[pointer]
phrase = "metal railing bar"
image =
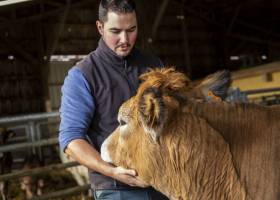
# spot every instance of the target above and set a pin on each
(26, 118)
(36, 171)
(12, 147)
(63, 193)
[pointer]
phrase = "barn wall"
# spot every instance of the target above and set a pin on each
(20, 88)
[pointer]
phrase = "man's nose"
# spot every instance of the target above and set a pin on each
(123, 37)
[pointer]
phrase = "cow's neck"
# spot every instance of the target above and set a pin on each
(243, 127)
(214, 177)
(200, 165)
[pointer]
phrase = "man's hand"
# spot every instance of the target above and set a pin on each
(128, 176)
(91, 159)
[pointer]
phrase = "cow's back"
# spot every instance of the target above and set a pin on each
(257, 159)
(253, 134)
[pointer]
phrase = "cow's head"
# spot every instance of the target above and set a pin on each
(146, 117)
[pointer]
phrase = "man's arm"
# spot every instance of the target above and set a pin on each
(92, 159)
(76, 112)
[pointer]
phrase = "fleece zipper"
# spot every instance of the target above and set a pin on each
(130, 82)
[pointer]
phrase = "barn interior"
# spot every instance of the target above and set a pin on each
(42, 39)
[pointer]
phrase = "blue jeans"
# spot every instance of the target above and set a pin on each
(141, 194)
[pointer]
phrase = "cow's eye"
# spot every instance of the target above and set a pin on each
(122, 122)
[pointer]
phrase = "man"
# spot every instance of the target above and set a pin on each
(92, 94)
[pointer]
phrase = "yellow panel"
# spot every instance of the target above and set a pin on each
(257, 82)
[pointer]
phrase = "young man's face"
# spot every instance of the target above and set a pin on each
(119, 32)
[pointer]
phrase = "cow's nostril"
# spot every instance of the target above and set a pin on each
(122, 122)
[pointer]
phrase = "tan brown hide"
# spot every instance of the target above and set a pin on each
(193, 150)
(253, 134)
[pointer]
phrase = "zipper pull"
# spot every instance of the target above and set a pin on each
(125, 65)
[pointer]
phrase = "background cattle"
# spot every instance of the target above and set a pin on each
(32, 185)
(190, 149)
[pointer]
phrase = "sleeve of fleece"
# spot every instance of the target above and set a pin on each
(77, 108)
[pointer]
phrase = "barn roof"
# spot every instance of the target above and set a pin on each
(198, 36)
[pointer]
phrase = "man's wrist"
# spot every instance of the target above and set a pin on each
(109, 170)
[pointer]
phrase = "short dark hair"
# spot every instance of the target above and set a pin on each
(120, 6)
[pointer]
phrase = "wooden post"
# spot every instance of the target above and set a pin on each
(45, 58)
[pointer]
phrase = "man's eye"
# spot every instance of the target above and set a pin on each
(131, 30)
(122, 122)
(115, 32)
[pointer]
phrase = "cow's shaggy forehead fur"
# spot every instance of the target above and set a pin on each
(193, 150)
(164, 78)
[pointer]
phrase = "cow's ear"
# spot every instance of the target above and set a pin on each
(214, 87)
(153, 112)
(217, 84)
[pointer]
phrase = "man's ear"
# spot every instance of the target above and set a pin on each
(153, 112)
(100, 27)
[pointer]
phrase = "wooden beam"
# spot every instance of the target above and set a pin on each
(255, 40)
(42, 15)
(17, 48)
(205, 16)
(159, 18)
(51, 48)
(247, 38)
(233, 19)
(239, 46)
(54, 3)
(12, 2)
(31, 18)
(258, 29)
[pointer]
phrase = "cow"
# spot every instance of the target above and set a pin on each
(191, 149)
(32, 185)
(6, 160)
